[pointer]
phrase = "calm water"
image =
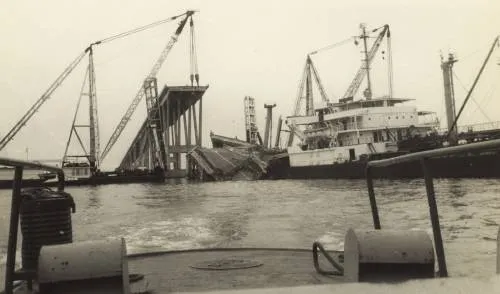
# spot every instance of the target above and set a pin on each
(287, 213)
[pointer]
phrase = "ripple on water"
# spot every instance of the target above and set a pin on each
(186, 233)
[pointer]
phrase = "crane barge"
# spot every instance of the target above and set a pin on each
(83, 168)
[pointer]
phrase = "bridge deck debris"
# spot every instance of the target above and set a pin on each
(231, 159)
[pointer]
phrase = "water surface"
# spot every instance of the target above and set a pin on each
(284, 213)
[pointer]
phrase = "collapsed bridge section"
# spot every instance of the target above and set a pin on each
(233, 159)
(225, 163)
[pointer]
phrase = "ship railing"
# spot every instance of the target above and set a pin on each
(423, 157)
(19, 166)
(480, 127)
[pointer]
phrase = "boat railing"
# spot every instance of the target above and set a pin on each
(480, 127)
(20, 165)
(423, 157)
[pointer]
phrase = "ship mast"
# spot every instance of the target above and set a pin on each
(449, 97)
(368, 92)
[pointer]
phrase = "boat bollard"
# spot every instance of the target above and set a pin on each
(84, 267)
(387, 256)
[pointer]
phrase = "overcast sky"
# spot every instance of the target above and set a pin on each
(255, 48)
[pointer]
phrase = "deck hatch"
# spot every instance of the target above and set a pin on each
(226, 264)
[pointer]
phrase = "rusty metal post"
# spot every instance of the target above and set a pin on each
(436, 229)
(373, 201)
(13, 230)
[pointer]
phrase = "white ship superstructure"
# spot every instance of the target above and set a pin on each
(349, 130)
(353, 128)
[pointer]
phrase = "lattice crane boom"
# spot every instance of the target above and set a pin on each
(140, 94)
(363, 70)
(26, 117)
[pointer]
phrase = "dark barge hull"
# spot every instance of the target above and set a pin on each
(92, 181)
(471, 165)
(7, 184)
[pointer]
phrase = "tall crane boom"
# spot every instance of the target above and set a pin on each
(140, 94)
(363, 70)
(22, 122)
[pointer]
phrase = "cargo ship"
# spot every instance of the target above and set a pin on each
(337, 140)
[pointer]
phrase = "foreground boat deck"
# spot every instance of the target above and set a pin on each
(179, 271)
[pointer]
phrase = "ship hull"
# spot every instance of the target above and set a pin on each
(482, 165)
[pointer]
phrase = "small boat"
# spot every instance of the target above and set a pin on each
(378, 260)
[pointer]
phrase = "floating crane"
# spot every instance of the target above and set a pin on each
(93, 154)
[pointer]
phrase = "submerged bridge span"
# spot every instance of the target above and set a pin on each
(179, 115)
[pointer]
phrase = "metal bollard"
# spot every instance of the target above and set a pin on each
(387, 256)
(84, 267)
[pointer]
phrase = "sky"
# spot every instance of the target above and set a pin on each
(245, 48)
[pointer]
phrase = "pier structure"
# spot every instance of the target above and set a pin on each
(173, 127)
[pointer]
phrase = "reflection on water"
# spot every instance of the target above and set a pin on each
(94, 199)
(284, 213)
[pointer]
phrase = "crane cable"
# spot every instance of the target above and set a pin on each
(193, 56)
(332, 45)
(472, 97)
(495, 43)
(137, 30)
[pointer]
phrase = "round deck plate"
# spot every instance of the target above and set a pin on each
(226, 264)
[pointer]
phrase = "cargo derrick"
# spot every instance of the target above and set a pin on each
(310, 72)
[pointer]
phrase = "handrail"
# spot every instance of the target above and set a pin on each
(423, 157)
(491, 144)
(340, 269)
(21, 163)
(429, 186)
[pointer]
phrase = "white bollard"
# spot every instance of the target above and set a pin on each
(383, 255)
(84, 267)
